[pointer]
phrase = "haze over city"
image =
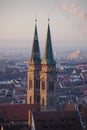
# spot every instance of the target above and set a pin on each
(43, 88)
(68, 22)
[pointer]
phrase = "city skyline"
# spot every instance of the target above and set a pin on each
(68, 22)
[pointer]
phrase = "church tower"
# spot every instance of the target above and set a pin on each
(33, 83)
(48, 76)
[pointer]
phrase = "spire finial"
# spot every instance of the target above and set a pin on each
(35, 21)
(48, 18)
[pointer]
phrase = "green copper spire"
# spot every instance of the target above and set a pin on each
(35, 56)
(48, 54)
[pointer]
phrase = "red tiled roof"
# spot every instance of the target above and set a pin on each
(62, 120)
(83, 111)
(70, 107)
(17, 112)
(18, 127)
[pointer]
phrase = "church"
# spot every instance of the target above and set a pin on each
(39, 113)
(42, 74)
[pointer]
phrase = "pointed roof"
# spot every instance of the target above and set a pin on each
(48, 54)
(35, 55)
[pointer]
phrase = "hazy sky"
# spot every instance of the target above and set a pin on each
(68, 22)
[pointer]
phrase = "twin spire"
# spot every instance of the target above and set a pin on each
(48, 53)
(35, 56)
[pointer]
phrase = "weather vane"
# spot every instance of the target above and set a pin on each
(48, 18)
(35, 18)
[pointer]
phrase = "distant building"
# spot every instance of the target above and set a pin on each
(74, 54)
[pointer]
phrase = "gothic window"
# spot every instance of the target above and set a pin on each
(51, 85)
(30, 84)
(30, 99)
(37, 83)
(43, 103)
(43, 85)
(38, 99)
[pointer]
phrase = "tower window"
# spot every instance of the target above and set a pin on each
(30, 84)
(43, 85)
(37, 83)
(51, 85)
(43, 103)
(38, 99)
(30, 99)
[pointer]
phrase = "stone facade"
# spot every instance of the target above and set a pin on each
(33, 82)
(33, 91)
(48, 78)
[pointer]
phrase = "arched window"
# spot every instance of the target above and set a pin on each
(43, 103)
(30, 84)
(30, 99)
(51, 86)
(38, 99)
(43, 85)
(37, 83)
